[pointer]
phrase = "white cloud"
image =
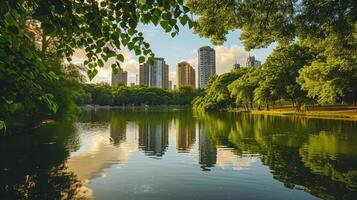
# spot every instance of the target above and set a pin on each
(227, 56)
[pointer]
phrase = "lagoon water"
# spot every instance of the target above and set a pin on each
(112, 154)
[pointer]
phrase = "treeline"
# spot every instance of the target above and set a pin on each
(294, 74)
(103, 94)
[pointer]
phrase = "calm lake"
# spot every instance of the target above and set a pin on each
(112, 154)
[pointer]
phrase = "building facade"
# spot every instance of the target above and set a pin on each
(252, 62)
(155, 74)
(185, 74)
(206, 65)
(120, 77)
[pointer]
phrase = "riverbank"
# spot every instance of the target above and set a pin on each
(331, 112)
(138, 108)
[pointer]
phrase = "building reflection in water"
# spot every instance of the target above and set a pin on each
(153, 138)
(185, 136)
(117, 131)
(207, 151)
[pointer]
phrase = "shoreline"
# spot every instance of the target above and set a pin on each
(330, 112)
(157, 107)
(325, 112)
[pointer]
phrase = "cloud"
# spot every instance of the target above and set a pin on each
(227, 56)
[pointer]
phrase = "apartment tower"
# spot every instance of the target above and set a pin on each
(206, 65)
(120, 77)
(185, 75)
(155, 74)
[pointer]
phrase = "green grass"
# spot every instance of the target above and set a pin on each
(335, 111)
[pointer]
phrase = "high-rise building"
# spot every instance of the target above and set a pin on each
(252, 62)
(120, 77)
(206, 65)
(155, 74)
(186, 75)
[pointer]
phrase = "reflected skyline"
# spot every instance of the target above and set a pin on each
(185, 136)
(314, 157)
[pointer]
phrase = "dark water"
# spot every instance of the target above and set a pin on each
(179, 155)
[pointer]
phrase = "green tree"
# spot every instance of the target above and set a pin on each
(279, 72)
(329, 27)
(242, 89)
(216, 95)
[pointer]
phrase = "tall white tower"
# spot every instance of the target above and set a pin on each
(206, 65)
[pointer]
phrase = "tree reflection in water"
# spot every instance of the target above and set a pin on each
(296, 150)
(32, 165)
(59, 160)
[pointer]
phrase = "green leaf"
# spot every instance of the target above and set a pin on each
(13, 29)
(141, 59)
(120, 57)
(48, 29)
(100, 63)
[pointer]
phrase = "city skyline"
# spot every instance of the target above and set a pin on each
(186, 44)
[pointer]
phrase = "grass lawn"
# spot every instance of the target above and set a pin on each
(346, 112)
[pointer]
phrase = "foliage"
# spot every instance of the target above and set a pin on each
(99, 27)
(35, 86)
(327, 28)
(242, 89)
(278, 75)
(216, 94)
(121, 95)
(264, 22)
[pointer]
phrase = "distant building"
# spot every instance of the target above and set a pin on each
(206, 65)
(120, 77)
(185, 74)
(236, 66)
(252, 62)
(155, 75)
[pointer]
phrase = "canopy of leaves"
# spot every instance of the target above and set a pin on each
(327, 27)
(267, 21)
(98, 27)
(216, 95)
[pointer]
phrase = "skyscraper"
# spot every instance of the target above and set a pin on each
(186, 75)
(155, 74)
(206, 65)
(120, 77)
(252, 62)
